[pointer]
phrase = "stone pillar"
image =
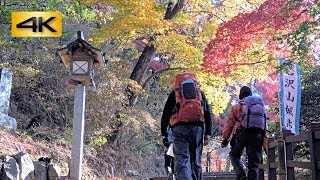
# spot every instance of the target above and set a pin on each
(5, 91)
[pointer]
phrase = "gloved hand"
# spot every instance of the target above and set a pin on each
(165, 141)
(224, 143)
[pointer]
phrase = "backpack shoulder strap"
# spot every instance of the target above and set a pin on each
(241, 105)
(248, 114)
(265, 125)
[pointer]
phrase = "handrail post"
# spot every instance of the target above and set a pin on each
(289, 154)
(282, 161)
(315, 149)
(261, 171)
(272, 172)
(266, 168)
(208, 161)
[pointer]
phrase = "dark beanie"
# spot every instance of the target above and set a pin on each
(245, 91)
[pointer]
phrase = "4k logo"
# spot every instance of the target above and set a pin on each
(36, 24)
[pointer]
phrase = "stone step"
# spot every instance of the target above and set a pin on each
(208, 176)
(218, 175)
(159, 178)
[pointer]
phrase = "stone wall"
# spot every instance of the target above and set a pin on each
(22, 167)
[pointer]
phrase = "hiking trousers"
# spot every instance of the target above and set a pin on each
(187, 150)
(252, 141)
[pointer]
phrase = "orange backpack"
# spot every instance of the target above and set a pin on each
(189, 103)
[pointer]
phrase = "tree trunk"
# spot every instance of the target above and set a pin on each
(143, 62)
(150, 49)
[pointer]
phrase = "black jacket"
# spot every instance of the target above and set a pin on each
(168, 112)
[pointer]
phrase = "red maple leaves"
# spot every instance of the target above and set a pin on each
(233, 38)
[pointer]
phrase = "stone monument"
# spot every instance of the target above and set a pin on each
(5, 90)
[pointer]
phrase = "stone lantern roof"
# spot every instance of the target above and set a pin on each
(65, 53)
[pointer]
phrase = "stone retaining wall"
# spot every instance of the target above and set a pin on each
(22, 167)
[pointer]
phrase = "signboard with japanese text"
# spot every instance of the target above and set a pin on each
(290, 98)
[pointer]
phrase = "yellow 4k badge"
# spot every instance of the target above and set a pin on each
(36, 24)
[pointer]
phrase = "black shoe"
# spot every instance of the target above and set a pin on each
(171, 176)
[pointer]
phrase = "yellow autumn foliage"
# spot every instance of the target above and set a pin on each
(185, 36)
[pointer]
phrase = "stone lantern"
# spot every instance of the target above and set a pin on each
(80, 56)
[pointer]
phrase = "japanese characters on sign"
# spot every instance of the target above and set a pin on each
(290, 94)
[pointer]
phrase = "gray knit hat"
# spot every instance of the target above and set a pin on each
(245, 91)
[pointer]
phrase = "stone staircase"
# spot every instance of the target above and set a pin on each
(208, 176)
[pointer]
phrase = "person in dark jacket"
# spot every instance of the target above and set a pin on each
(188, 140)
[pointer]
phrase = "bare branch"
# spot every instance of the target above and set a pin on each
(159, 72)
(206, 12)
(13, 4)
(248, 64)
(256, 7)
(17, 4)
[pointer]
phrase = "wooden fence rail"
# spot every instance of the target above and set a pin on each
(280, 158)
